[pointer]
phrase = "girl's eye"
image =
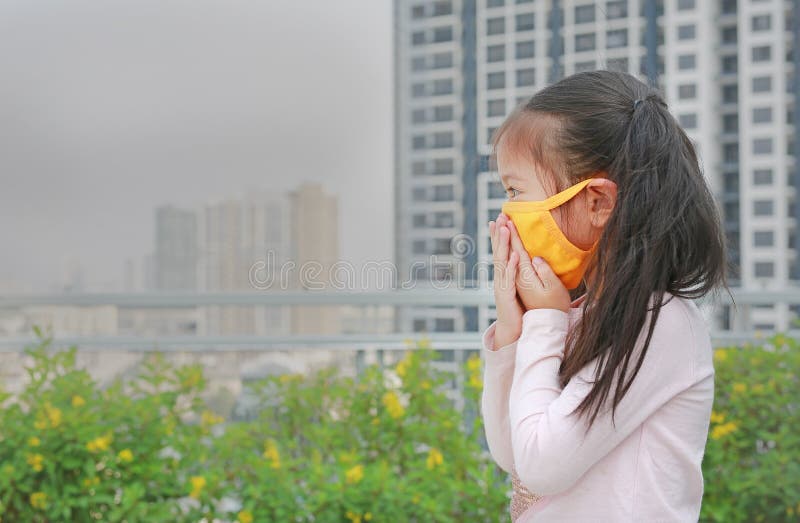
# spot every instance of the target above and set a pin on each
(511, 192)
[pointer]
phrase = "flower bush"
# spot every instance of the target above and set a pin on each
(751, 465)
(387, 445)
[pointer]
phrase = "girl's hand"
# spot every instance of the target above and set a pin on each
(509, 308)
(537, 285)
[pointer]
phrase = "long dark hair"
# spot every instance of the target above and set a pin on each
(664, 234)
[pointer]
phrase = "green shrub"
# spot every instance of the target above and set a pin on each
(751, 465)
(384, 446)
(326, 448)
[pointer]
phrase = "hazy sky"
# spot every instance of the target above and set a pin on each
(110, 108)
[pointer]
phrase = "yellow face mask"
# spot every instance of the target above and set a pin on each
(542, 237)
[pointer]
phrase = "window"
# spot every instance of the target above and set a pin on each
(443, 166)
(445, 325)
(687, 91)
(495, 3)
(496, 108)
(443, 219)
(443, 113)
(420, 325)
(617, 9)
(617, 64)
(729, 35)
(525, 49)
(616, 38)
(443, 193)
(686, 32)
(730, 123)
(442, 8)
(442, 140)
(762, 84)
(443, 86)
(762, 114)
(584, 14)
(418, 142)
(688, 120)
(730, 152)
(418, 63)
(417, 90)
(762, 177)
(418, 38)
(418, 247)
(686, 61)
(763, 239)
(418, 220)
(731, 181)
(685, 4)
(584, 66)
(730, 64)
(496, 53)
(761, 23)
(525, 22)
(764, 269)
(443, 34)
(418, 11)
(495, 26)
(584, 42)
(442, 60)
(761, 53)
(763, 208)
(526, 77)
(419, 194)
(762, 146)
(418, 168)
(418, 116)
(730, 93)
(496, 80)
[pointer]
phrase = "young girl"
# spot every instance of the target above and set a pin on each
(599, 407)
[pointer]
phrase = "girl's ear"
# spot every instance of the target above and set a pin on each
(602, 197)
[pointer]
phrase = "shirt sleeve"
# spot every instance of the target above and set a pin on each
(497, 375)
(548, 445)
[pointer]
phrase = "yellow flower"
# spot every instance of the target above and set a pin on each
(38, 500)
(434, 458)
(53, 415)
(33, 441)
(271, 453)
(208, 419)
(721, 355)
(353, 517)
(758, 387)
(88, 482)
(198, 482)
(35, 461)
(717, 417)
(425, 385)
(392, 404)
(244, 516)
(347, 457)
(415, 499)
(100, 443)
(367, 516)
(739, 387)
(125, 455)
(192, 378)
(474, 363)
(720, 431)
(475, 381)
(402, 366)
(355, 474)
(77, 401)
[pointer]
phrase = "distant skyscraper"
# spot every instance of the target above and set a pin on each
(463, 65)
(176, 249)
(315, 245)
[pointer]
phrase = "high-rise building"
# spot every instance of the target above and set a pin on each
(726, 70)
(314, 230)
(175, 249)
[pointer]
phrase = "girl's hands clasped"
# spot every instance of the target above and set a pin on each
(519, 283)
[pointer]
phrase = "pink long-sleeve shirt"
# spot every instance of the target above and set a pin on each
(648, 467)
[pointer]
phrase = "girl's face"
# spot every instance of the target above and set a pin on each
(590, 208)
